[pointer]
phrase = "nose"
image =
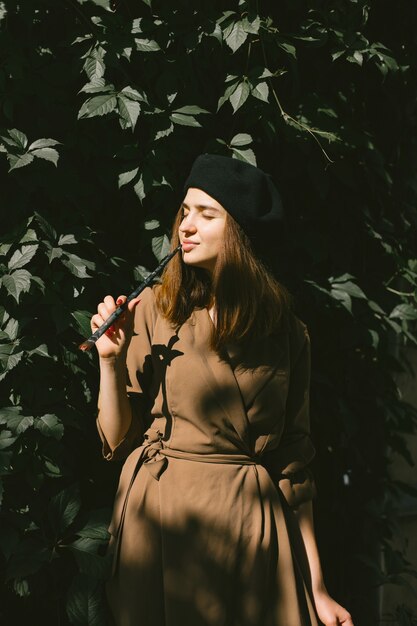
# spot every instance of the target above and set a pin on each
(187, 225)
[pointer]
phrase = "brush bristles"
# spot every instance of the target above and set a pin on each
(86, 345)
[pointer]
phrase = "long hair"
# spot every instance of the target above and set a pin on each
(250, 303)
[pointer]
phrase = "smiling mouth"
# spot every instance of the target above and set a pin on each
(188, 245)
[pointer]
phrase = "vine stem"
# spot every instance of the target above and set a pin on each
(285, 116)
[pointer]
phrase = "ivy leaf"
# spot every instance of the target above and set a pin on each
(66, 240)
(97, 525)
(146, 45)
(184, 120)
(237, 36)
(349, 288)
(20, 140)
(261, 91)
(342, 296)
(21, 257)
(82, 319)
(16, 160)
(404, 312)
(49, 154)
(242, 139)
(43, 143)
(6, 439)
(126, 177)
(239, 96)
(99, 105)
(85, 603)
(85, 551)
(94, 65)
(160, 246)
(19, 423)
(76, 265)
(128, 111)
(16, 283)
(134, 94)
(63, 509)
(50, 426)
(245, 155)
(191, 109)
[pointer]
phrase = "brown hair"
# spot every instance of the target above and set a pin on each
(250, 302)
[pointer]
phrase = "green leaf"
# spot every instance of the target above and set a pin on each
(237, 36)
(85, 551)
(48, 154)
(21, 257)
(50, 426)
(82, 319)
(404, 312)
(160, 246)
(191, 109)
(19, 138)
(128, 111)
(343, 297)
(184, 120)
(289, 49)
(146, 45)
(94, 66)
(63, 509)
(134, 94)
(97, 525)
(21, 160)
(85, 602)
(6, 439)
(349, 288)
(19, 423)
(261, 91)
(245, 155)
(242, 139)
(151, 224)
(76, 265)
(239, 96)
(66, 240)
(43, 143)
(126, 177)
(99, 105)
(16, 283)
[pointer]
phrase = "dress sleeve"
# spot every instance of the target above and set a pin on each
(289, 462)
(139, 377)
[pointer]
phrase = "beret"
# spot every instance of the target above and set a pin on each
(244, 190)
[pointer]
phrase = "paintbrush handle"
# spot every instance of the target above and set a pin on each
(90, 342)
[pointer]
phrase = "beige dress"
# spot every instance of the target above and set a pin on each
(203, 528)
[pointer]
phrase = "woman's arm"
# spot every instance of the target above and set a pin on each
(329, 611)
(114, 410)
(304, 514)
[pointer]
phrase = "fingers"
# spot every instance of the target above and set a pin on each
(133, 303)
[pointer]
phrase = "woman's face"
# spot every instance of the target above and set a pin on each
(201, 231)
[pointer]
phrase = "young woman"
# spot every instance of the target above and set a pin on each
(204, 392)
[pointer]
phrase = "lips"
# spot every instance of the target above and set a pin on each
(187, 246)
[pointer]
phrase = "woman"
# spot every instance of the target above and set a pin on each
(204, 390)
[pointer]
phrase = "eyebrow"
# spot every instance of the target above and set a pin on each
(201, 206)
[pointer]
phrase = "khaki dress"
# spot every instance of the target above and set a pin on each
(203, 529)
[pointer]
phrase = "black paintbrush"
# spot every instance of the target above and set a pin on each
(90, 342)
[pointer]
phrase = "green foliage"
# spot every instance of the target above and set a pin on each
(318, 94)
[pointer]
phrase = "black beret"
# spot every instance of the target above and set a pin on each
(245, 191)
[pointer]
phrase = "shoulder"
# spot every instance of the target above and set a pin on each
(146, 311)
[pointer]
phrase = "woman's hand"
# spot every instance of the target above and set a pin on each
(330, 612)
(115, 341)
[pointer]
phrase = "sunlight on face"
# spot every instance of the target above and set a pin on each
(201, 231)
